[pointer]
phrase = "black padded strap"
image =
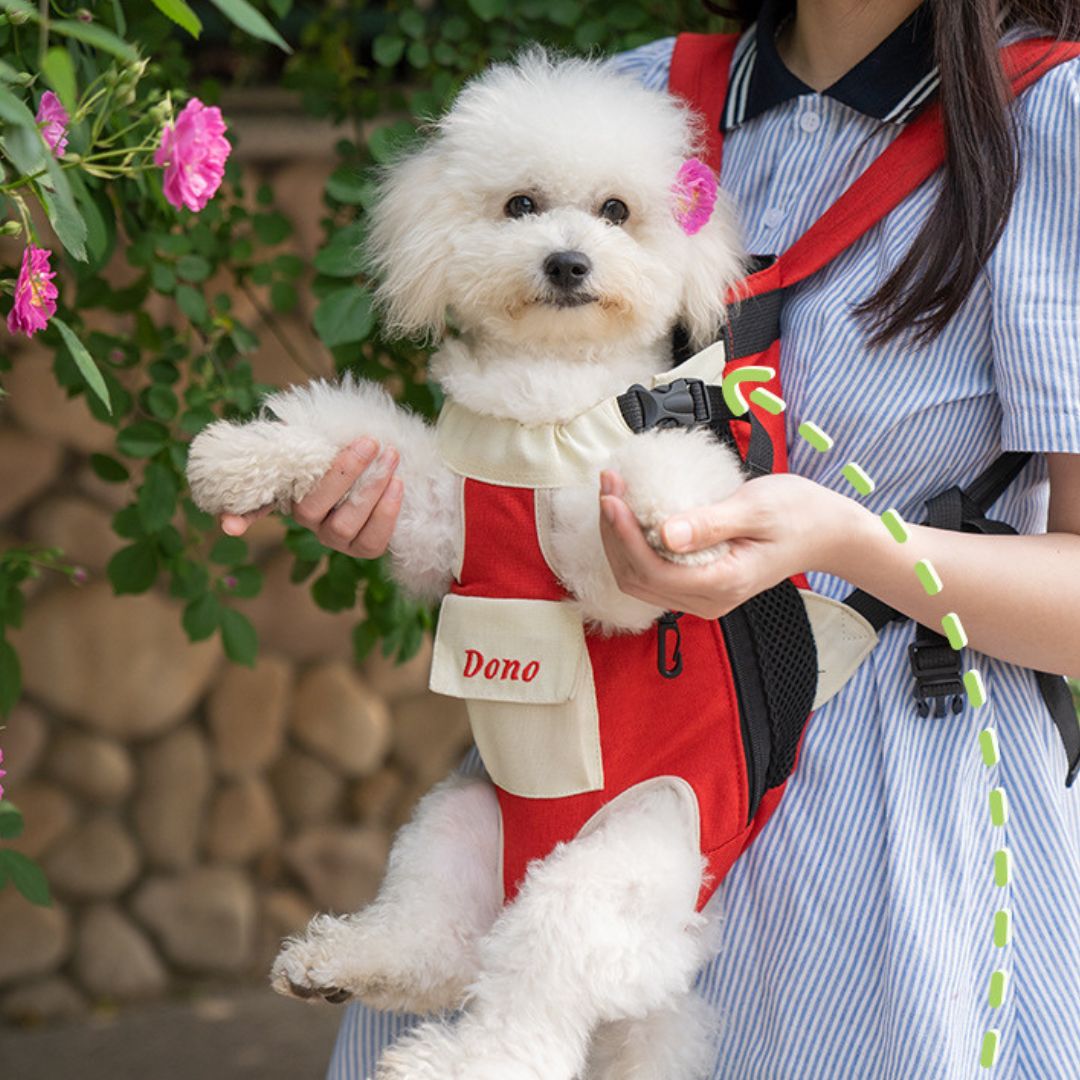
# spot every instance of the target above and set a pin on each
(1055, 692)
(953, 509)
(753, 324)
(759, 453)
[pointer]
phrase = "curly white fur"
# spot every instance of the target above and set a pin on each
(603, 939)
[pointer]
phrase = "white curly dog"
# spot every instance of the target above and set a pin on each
(533, 236)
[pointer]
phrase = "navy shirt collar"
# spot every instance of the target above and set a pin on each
(890, 84)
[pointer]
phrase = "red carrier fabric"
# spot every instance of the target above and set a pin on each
(649, 726)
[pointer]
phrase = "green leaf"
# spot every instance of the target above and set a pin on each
(272, 228)
(163, 277)
(283, 296)
(344, 316)
(192, 303)
(348, 185)
(229, 551)
(239, 637)
(343, 256)
(193, 268)
(157, 496)
(251, 21)
(96, 35)
(100, 218)
(84, 362)
(180, 14)
(59, 72)
(419, 55)
(190, 579)
(202, 616)
(364, 637)
(488, 9)
(386, 142)
(161, 402)
(108, 469)
(133, 569)
(26, 876)
(290, 266)
(11, 821)
(412, 22)
(248, 582)
(142, 439)
(10, 677)
(387, 49)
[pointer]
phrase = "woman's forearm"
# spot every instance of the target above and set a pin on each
(1018, 597)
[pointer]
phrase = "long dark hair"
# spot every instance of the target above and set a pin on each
(981, 166)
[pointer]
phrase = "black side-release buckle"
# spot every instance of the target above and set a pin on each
(936, 668)
(681, 403)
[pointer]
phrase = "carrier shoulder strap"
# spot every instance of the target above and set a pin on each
(701, 68)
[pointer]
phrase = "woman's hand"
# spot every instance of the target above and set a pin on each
(362, 528)
(775, 526)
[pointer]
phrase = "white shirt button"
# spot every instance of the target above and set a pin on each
(772, 217)
(810, 121)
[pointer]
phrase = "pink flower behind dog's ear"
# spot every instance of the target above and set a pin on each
(35, 293)
(55, 118)
(193, 154)
(694, 193)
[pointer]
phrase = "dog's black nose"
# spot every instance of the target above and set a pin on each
(567, 269)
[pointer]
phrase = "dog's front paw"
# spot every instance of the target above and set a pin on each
(669, 472)
(237, 468)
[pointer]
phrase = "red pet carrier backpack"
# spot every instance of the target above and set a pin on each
(568, 720)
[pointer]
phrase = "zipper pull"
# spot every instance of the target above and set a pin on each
(668, 625)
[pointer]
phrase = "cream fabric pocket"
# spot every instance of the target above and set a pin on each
(523, 669)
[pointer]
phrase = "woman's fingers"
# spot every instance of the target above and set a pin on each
(374, 538)
(329, 491)
(238, 524)
(710, 525)
(341, 528)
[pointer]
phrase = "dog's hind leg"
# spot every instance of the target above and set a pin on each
(668, 1044)
(414, 948)
(603, 929)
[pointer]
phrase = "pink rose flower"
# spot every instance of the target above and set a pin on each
(695, 192)
(55, 118)
(193, 154)
(2, 772)
(35, 294)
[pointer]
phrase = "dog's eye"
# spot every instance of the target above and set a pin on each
(520, 205)
(615, 211)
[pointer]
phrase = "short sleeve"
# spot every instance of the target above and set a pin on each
(1035, 274)
(649, 64)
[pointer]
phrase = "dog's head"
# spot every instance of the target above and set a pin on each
(543, 209)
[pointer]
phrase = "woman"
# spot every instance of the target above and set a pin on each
(857, 931)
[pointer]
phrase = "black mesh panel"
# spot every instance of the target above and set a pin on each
(785, 649)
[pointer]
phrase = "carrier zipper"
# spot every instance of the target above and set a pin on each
(668, 625)
(750, 695)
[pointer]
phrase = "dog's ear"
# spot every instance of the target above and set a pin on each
(714, 263)
(408, 244)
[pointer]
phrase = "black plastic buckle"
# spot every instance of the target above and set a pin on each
(936, 680)
(681, 403)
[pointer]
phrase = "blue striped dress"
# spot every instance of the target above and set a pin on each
(857, 931)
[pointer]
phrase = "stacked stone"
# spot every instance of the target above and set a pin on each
(188, 813)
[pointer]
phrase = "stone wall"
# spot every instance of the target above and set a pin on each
(188, 812)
